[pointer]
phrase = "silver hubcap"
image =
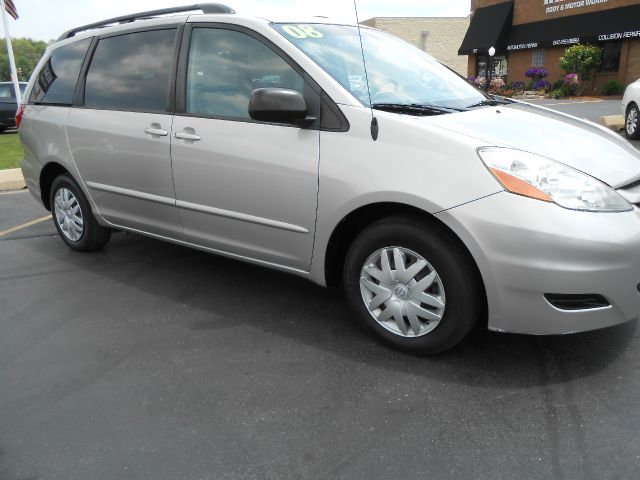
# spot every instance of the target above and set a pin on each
(402, 291)
(68, 214)
(632, 121)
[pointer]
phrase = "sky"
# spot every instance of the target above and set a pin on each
(47, 19)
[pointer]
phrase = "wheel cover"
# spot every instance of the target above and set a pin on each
(402, 291)
(68, 214)
(632, 121)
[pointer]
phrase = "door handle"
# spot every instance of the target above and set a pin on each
(156, 131)
(187, 136)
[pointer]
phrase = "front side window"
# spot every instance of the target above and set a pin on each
(225, 66)
(132, 72)
(56, 81)
(397, 72)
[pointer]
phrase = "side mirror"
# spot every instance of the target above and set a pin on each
(277, 105)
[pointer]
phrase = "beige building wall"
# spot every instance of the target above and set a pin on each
(444, 36)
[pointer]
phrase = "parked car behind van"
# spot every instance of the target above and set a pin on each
(8, 104)
(435, 206)
(631, 110)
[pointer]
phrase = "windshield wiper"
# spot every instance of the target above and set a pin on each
(490, 102)
(415, 108)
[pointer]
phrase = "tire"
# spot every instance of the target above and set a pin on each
(436, 268)
(3, 129)
(632, 122)
(73, 218)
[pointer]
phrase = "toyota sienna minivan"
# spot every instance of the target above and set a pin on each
(435, 206)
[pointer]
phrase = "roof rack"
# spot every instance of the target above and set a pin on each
(203, 7)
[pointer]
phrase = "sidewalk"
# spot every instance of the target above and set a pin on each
(11, 179)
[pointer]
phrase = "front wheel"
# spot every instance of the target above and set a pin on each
(631, 129)
(413, 285)
(73, 218)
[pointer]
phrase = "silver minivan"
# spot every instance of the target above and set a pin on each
(342, 155)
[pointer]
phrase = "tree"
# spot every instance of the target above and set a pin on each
(27, 53)
(581, 59)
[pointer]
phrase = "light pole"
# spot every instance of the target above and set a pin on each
(492, 52)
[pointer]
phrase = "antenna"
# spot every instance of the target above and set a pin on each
(374, 120)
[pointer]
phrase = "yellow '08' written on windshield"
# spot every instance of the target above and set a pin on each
(302, 31)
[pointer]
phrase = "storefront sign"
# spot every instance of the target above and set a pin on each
(522, 46)
(566, 41)
(619, 36)
(555, 6)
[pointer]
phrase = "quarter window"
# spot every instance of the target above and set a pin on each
(225, 66)
(132, 72)
(56, 82)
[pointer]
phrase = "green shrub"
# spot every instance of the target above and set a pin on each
(614, 87)
(581, 59)
(558, 84)
(557, 93)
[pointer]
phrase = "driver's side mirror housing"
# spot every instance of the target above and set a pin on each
(278, 105)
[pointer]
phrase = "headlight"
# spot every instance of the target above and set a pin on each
(538, 177)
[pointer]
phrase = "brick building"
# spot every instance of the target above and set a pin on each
(439, 36)
(534, 33)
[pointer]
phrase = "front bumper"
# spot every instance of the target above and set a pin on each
(526, 248)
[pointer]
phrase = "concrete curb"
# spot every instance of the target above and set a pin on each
(11, 179)
(614, 122)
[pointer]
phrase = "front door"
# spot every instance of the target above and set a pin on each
(243, 187)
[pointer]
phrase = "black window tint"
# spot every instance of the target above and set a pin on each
(225, 66)
(132, 72)
(56, 82)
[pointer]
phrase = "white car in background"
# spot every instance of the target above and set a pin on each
(631, 109)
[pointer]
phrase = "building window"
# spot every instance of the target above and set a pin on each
(500, 66)
(538, 58)
(611, 57)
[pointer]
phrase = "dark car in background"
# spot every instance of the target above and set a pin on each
(8, 105)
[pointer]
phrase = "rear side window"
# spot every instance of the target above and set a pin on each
(132, 72)
(56, 82)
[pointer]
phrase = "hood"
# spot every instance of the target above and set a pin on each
(580, 144)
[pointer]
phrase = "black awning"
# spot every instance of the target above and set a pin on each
(604, 26)
(489, 28)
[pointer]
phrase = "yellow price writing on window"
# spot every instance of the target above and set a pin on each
(302, 31)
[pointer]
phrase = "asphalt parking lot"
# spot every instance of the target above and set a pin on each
(152, 361)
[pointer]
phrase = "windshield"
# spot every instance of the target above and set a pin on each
(398, 72)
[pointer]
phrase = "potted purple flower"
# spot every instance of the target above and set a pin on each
(536, 74)
(518, 85)
(541, 86)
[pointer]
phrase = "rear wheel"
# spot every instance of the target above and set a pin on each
(73, 218)
(412, 285)
(631, 122)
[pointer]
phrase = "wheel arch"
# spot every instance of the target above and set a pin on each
(348, 228)
(632, 103)
(47, 175)
(354, 222)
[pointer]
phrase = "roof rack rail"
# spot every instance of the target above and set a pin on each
(203, 7)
